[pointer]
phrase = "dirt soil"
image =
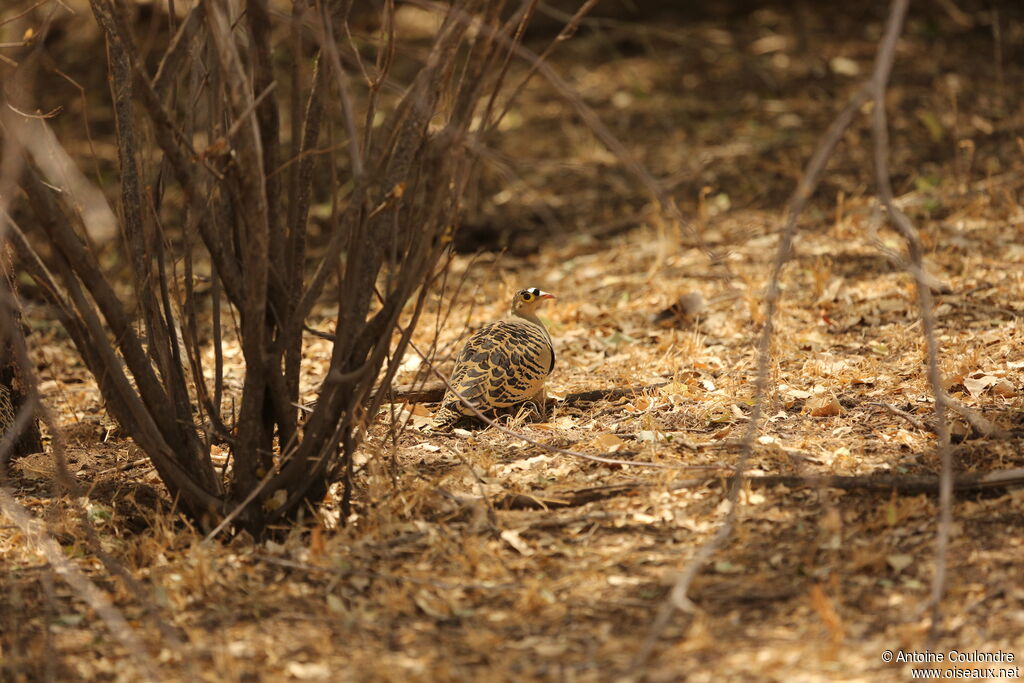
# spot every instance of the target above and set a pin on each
(477, 556)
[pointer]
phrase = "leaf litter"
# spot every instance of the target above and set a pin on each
(432, 579)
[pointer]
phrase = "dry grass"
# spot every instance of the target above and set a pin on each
(431, 580)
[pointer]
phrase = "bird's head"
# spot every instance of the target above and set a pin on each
(528, 300)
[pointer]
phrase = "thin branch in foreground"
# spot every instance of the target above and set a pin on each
(880, 138)
(813, 172)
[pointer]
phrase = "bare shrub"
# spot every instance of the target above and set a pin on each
(248, 119)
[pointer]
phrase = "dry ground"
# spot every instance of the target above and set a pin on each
(445, 572)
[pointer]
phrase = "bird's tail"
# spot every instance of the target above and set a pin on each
(445, 418)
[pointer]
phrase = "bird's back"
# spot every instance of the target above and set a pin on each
(502, 364)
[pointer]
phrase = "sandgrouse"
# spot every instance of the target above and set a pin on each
(502, 364)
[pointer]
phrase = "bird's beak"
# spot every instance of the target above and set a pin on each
(545, 295)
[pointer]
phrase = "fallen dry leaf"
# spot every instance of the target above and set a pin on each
(899, 562)
(824, 404)
(605, 442)
(977, 383)
(512, 537)
(1004, 388)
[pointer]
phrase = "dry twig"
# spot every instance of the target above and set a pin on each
(919, 424)
(809, 181)
(880, 137)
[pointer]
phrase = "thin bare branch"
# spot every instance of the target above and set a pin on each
(329, 46)
(811, 177)
(880, 137)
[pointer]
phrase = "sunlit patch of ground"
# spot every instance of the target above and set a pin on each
(433, 579)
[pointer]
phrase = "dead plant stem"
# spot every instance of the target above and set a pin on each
(880, 138)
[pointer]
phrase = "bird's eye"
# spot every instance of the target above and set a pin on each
(527, 296)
